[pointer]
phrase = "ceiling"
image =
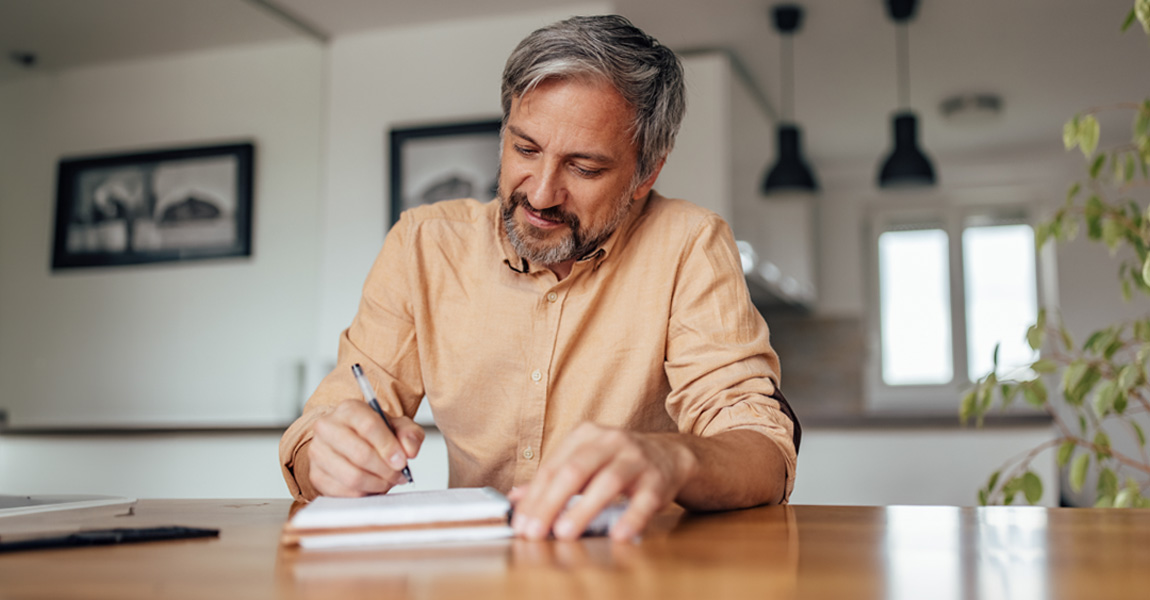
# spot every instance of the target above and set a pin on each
(1045, 58)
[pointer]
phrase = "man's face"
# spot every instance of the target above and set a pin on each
(567, 169)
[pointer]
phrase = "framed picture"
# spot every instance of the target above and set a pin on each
(443, 162)
(145, 207)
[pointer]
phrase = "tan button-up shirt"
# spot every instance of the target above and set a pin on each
(653, 332)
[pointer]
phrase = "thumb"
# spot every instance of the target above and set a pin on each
(409, 434)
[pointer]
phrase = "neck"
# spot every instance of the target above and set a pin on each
(563, 269)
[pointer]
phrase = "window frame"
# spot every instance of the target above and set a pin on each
(953, 219)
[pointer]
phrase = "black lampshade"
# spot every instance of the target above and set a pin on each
(790, 172)
(907, 165)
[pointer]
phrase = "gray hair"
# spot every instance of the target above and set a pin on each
(646, 73)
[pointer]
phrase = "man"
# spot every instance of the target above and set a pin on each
(579, 335)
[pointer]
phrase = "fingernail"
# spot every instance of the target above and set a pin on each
(536, 530)
(564, 529)
(622, 532)
(397, 460)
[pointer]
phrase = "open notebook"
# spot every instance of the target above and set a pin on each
(457, 515)
(401, 518)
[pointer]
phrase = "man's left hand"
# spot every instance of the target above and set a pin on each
(602, 464)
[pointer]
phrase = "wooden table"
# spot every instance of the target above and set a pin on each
(775, 552)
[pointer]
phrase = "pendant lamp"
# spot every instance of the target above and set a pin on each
(790, 172)
(907, 165)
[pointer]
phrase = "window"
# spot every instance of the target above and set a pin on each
(950, 286)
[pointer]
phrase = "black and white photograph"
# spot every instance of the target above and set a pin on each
(443, 162)
(144, 207)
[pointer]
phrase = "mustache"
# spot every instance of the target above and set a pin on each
(553, 213)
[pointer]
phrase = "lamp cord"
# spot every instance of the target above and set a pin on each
(788, 80)
(903, 65)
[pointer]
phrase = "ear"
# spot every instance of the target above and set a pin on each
(649, 182)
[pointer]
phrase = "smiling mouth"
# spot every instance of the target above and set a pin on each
(537, 219)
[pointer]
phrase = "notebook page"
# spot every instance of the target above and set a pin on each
(403, 508)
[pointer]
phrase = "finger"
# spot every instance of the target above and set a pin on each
(546, 501)
(525, 507)
(328, 484)
(602, 490)
(516, 494)
(350, 478)
(643, 505)
(340, 439)
(364, 421)
(410, 435)
(568, 450)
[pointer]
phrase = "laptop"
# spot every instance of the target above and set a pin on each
(64, 505)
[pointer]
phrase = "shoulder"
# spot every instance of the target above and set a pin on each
(450, 228)
(677, 219)
(465, 210)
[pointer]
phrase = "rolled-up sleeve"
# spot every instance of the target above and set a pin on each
(723, 373)
(382, 340)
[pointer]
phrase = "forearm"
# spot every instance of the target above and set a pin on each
(733, 469)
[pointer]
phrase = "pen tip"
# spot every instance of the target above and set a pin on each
(357, 369)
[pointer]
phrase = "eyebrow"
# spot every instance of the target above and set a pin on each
(599, 158)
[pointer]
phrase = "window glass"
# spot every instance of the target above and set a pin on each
(914, 300)
(1001, 299)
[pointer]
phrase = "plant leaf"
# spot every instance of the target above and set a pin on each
(1044, 365)
(1088, 133)
(1065, 451)
(1112, 232)
(1107, 483)
(1078, 471)
(1035, 392)
(1070, 129)
(1034, 336)
(1092, 214)
(1032, 487)
(1138, 433)
(1104, 399)
(1067, 341)
(1125, 25)
(1102, 443)
(1096, 166)
(1142, 11)
(966, 407)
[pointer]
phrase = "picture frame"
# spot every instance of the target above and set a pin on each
(440, 162)
(178, 204)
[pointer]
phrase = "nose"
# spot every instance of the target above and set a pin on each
(548, 191)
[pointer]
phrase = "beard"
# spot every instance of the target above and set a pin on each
(550, 248)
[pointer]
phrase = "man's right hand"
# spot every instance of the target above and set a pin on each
(353, 453)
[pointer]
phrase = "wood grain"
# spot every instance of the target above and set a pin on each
(772, 552)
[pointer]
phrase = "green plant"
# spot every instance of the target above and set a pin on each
(1106, 379)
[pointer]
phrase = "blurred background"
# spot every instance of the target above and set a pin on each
(176, 379)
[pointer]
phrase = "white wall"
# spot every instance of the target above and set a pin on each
(913, 466)
(205, 342)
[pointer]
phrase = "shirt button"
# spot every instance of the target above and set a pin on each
(551, 297)
(528, 453)
(536, 375)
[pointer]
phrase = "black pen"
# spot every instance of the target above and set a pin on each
(369, 395)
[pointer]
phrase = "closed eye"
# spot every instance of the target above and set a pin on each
(586, 172)
(525, 151)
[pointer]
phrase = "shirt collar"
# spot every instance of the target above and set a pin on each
(521, 265)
